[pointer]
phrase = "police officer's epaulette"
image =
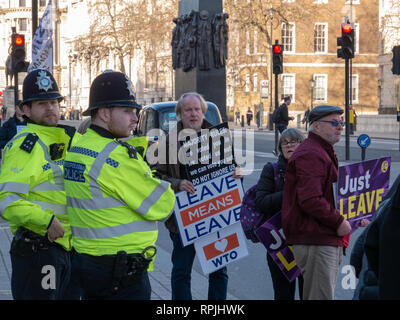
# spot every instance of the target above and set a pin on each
(29, 142)
(70, 131)
(131, 149)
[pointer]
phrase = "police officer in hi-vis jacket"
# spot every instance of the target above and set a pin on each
(113, 200)
(32, 196)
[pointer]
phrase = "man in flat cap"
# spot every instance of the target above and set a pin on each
(310, 221)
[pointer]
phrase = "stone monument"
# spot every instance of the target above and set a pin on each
(199, 45)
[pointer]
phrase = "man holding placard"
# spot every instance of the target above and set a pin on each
(190, 110)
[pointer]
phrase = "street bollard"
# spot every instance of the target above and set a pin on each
(298, 121)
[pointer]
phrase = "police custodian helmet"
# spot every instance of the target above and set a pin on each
(111, 89)
(40, 84)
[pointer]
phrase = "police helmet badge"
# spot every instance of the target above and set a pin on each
(44, 82)
(129, 86)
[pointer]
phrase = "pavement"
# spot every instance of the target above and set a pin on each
(160, 278)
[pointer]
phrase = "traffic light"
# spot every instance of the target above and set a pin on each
(346, 41)
(277, 58)
(18, 52)
(396, 60)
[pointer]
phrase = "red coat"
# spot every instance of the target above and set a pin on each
(308, 209)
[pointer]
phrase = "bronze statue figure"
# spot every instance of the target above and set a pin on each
(205, 37)
(175, 43)
(195, 36)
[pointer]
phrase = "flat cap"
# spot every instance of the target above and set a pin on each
(322, 111)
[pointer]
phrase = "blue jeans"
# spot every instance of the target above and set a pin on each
(182, 262)
(40, 275)
(73, 290)
(96, 282)
(281, 127)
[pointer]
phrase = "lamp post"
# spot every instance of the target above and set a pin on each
(271, 12)
(70, 79)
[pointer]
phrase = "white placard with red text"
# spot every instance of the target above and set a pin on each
(221, 248)
(214, 206)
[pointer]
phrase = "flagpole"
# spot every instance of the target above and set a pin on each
(34, 17)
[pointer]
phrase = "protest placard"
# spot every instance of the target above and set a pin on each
(360, 189)
(209, 153)
(214, 205)
(272, 237)
(220, 248)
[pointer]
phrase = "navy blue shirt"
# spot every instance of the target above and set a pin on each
(9, 130)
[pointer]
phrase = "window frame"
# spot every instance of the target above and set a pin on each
(247, 83)
(292, 91)
(255, 82)
(325, 87)
(292, 37)
(355, 89)
(325, 38)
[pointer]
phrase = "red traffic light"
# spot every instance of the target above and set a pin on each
(19, 40)
(277, 49)
(347, 28)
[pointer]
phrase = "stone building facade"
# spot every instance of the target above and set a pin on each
(312, 72)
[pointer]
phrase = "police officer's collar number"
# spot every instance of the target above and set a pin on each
(131, 149)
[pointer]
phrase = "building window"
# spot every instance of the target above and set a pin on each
(320, 37)
(236, 79)
(287, 1)
(353, 1)
(23, 24)
(42, 3)
(255, 82)
(357, 37)
(288, 86)
(288, 37)
(354, 88)
(22, 3)
(247, 84)
(320, 1)
(321, 87)
(247, 42)
(255, 41)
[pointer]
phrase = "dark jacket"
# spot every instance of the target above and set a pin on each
(367, 287)
(309, 215)
(171, 172)
(9, 130)
(268, 201)
(381, 247)
(283, 114)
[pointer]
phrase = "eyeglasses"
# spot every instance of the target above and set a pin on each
(287, 143)
(334, 123)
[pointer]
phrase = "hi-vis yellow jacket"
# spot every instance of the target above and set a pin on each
(113, 201)
(31, 183)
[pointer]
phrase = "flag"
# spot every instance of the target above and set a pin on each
(42, 44)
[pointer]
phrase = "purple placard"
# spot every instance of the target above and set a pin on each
(361, 187)
(272, 237)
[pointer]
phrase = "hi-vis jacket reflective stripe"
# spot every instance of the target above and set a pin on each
(113, 202)
(32, 185)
